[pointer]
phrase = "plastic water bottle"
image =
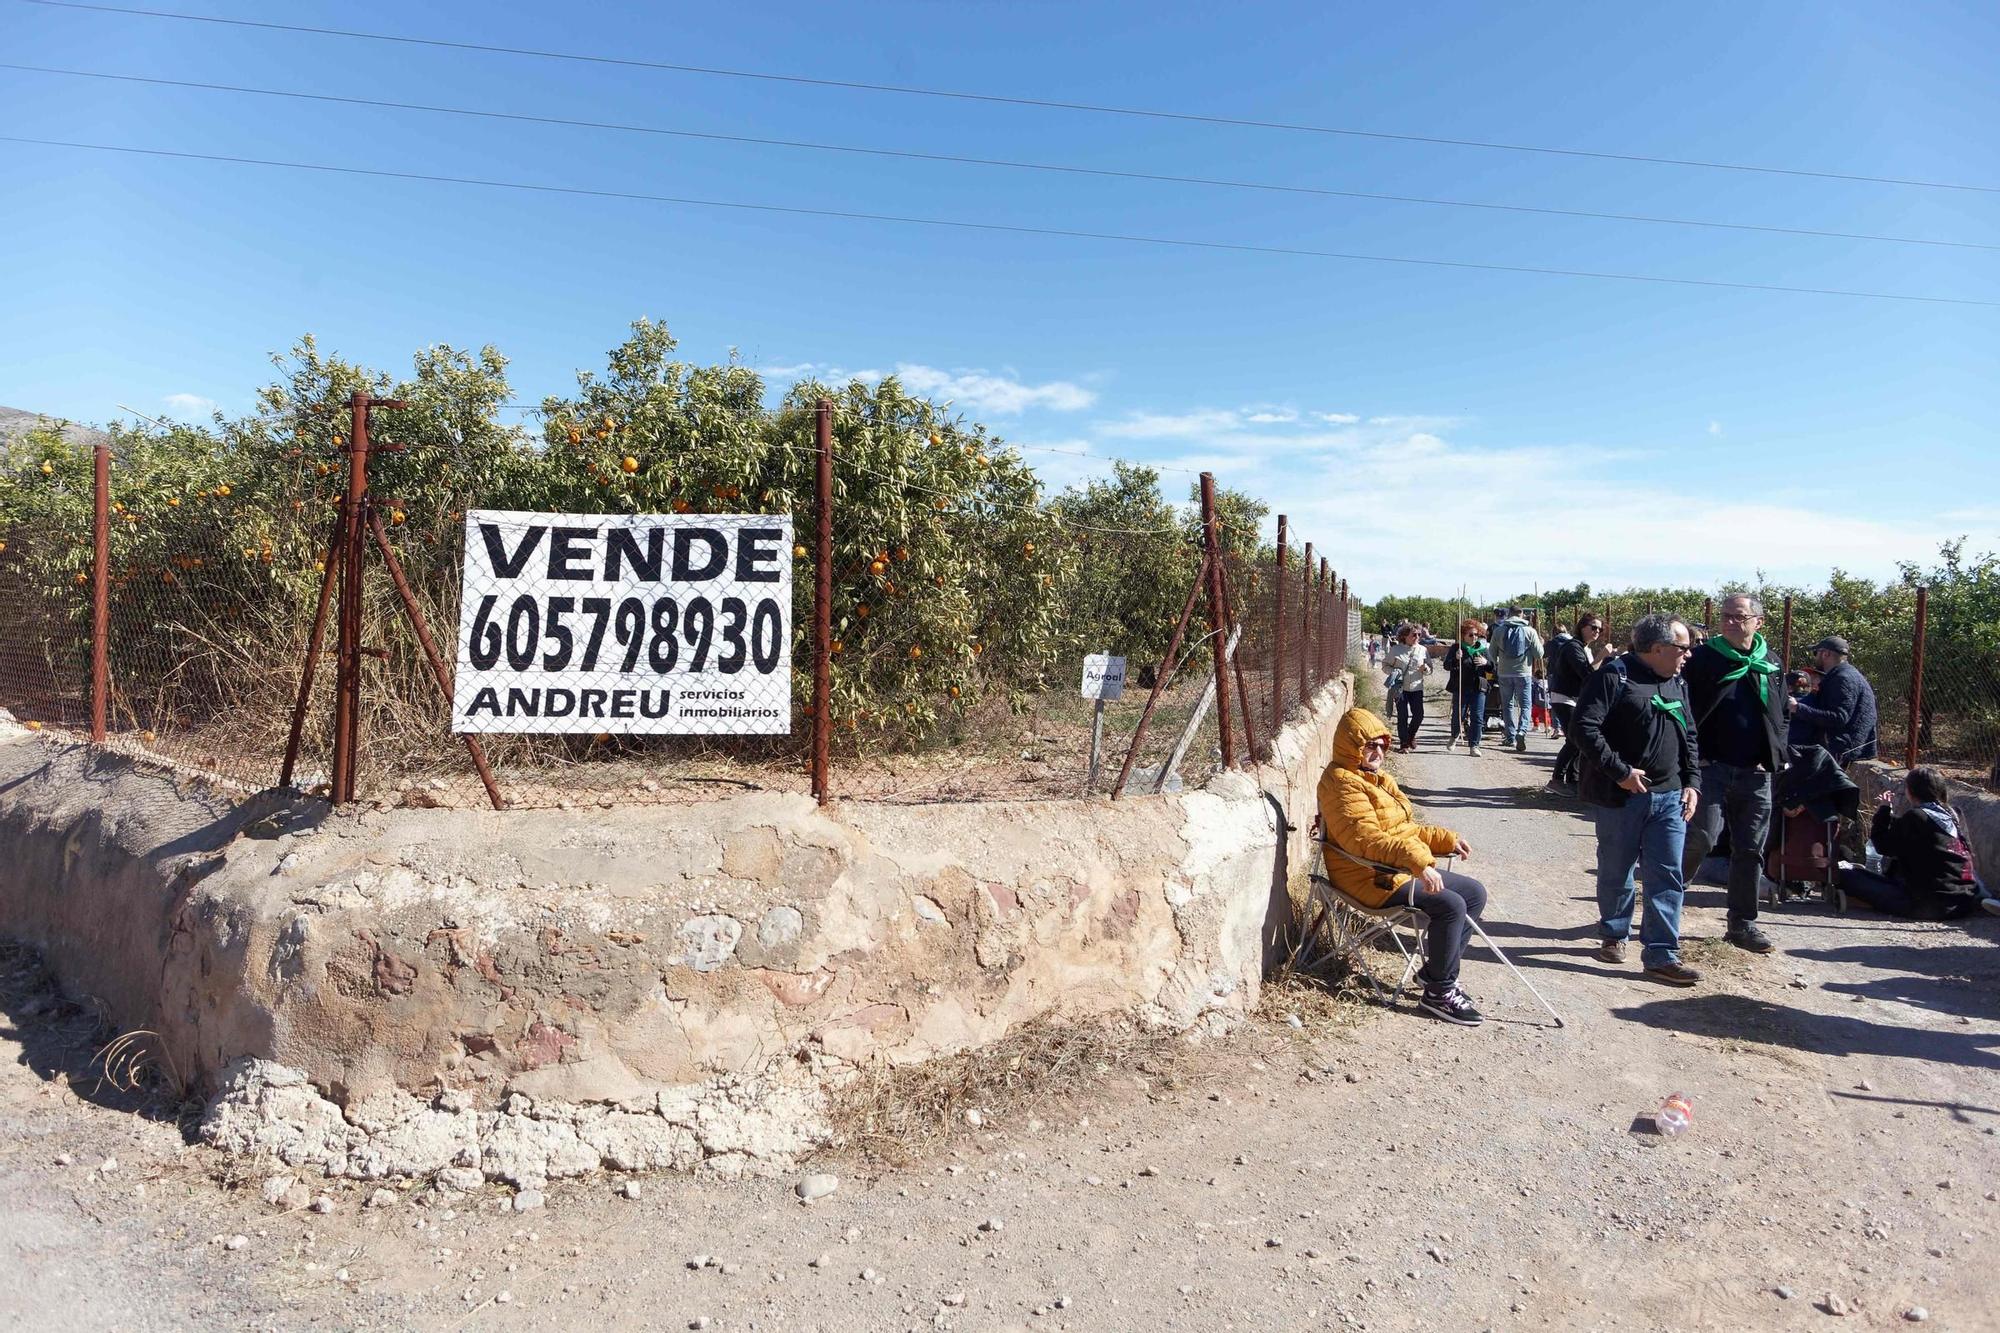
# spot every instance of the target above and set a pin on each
(1675, 1115)
(1874, 859)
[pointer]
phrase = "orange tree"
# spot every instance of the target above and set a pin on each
(945, 572)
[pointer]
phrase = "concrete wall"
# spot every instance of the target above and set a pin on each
(597, 957)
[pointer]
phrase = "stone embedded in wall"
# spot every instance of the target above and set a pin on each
(754, 854)
(708, 941)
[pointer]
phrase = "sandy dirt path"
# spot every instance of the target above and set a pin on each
(1393, 1173)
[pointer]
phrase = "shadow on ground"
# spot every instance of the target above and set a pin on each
(1746, 1018)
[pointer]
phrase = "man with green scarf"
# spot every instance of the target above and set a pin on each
(1738, 694)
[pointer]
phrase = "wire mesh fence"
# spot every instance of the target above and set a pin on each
(959, 605)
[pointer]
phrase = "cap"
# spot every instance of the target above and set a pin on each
(1833, 642)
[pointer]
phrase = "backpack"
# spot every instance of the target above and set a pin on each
(1513, 639)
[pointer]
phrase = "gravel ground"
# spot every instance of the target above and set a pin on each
(1390, 1173)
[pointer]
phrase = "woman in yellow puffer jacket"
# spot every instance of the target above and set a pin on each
(1364, 812)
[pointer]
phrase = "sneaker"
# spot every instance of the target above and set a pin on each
(1473, 751)
(1674, 974)
(1746, 935)
(1990, 905)
(1452, 1006)
(1611, 951)
(1520, 745)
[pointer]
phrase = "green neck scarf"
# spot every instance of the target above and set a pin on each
(1476, 646)
(1754, 662)
(1672, 708)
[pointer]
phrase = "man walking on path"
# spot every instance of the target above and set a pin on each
(1569, 671)
(1517, 652)
(1739, 709)
(1640, 765)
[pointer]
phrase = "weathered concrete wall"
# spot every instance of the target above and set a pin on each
(562, 959)
(1978, 811)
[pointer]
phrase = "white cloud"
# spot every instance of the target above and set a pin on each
(1173, 426)
(999, 395)
(1272, 416)
(1401, 503)
(1715, 428)
(189, 404)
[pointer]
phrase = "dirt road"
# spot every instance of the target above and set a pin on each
(1394, 1173)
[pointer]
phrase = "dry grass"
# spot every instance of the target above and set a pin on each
(1321, 980)
(136, 1062)
(898, 1114)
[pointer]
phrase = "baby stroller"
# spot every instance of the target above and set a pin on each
(1803, 853)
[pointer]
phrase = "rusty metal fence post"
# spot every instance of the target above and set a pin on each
(1306, 628)
(1218, 627)
(1325, 613)
(1278, 631)
(100, 592)
(347, 621)
(822, 689)
(1917, 676)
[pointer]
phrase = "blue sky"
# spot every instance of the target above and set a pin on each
(1432, 426)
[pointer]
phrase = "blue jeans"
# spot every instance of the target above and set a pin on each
(1517, 695)
(1468, 710)
(1648, 825)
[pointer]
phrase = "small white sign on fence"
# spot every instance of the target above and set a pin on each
(1103, 676)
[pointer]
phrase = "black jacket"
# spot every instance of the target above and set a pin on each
(1931, 858)
(1457, 667)
(1618, 728)
(1703, 673)
(1569, 665)
(1839, 716)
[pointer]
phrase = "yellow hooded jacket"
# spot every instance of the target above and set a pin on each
(1367, 814)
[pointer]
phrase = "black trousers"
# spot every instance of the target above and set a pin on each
(1409, 715)
(1740, 798)
(1565, 715)
(1452, 910)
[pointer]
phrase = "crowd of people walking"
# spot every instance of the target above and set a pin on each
(1690, 741)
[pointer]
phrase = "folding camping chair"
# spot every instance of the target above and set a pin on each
(1357, 925)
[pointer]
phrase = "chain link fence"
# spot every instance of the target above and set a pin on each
(960, 606)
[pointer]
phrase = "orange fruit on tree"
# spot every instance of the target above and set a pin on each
(397, 516)
(223, 490)
(575, 435)
(902, 553)
(167, 577)
(876, 567)
(916, 651)
(321, 468)
(1027, 548)
(48, 469)
(628, 464)
(836, 647)
(81, 579)
(609, 424)
(954, 691)
(799, 552)
(862, 610)
(173, 502)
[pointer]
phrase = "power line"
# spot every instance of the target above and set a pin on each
(1012, 164)
(1091, 108)
(1016, 229)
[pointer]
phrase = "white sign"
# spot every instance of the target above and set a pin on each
(1103, 676)
(627, 623)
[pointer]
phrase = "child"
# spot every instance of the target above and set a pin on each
(1539, 716)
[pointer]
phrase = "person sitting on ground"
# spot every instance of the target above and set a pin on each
(1365, 815)
(1929, 867)
(1407, 665)
(1468, 667)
